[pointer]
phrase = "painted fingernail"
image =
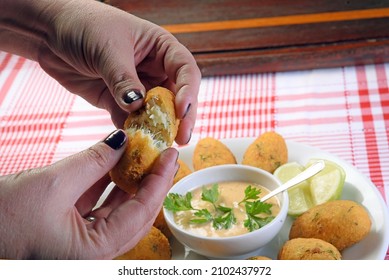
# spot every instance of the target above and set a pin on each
(187, 110)
(131, 96)
(190, 136)
(116, 139)
(177, 167)
(178, 155)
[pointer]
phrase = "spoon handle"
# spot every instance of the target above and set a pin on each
(307, 173)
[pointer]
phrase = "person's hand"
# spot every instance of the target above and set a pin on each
(44, 210)
(110, 58)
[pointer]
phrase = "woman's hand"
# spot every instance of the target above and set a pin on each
(43, 210)
(110, 58)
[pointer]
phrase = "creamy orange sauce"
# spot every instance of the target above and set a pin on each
(230, 194)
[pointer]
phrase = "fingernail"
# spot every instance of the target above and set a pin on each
(177, 166)
(178, 155)
(116, 139)
(131, 96)
(187, 110)
(190, 136)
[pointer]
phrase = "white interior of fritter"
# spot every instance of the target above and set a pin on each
(157, 142)
(157, 117)
(154, 123)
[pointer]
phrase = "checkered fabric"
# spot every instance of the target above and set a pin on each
(344, 111)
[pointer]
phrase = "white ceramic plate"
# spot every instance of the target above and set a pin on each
(357, 187)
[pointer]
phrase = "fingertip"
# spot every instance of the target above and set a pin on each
(187, 110)
(127, 89)
(169, 155)
(131, 100)
(116, 139)
(184, 101)
(184, 135)
(130, 96)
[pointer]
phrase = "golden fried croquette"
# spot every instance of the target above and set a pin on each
(154, 246)
(268, 152)
(308, 249)
(150, 130)
(210, 152)
(263, 258)
(160, 223)
(183, 171)
(339, 222)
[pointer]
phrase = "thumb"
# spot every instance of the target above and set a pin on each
(82, 170)
(123, 82)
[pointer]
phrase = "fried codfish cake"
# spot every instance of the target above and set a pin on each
(308, 249)
(154, 246)
(210, 152)
(262, 258)
(150, 130)
(182, 172)
(160, 223)
(267, 152)
(339, 222)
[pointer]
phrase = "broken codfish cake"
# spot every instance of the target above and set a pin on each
(150, 130)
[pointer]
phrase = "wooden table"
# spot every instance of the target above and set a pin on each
(246, 36)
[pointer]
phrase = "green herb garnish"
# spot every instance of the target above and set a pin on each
(176, 202)
(253, 208)
(211, 195)
(223, 217)
(250, 193)
(203, 215)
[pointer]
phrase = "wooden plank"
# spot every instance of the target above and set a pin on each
(293, 58)
(277, 21)
(291, 35)
(192, 11)
(246, 36)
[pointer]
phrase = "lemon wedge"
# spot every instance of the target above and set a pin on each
(328, 184)
(325, 186)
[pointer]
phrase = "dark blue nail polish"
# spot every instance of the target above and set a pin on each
(116, 139)
(131, 96)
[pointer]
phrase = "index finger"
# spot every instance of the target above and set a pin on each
(181, 67)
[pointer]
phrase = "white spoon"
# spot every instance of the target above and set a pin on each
(307, 173)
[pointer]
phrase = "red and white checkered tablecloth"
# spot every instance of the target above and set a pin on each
(344, 111)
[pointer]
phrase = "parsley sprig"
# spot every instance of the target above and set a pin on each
(177, 202)
(253, 209)
(223, 216)
(250, 193)
(211, 195)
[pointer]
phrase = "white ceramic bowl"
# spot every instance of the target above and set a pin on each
(235, 247)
